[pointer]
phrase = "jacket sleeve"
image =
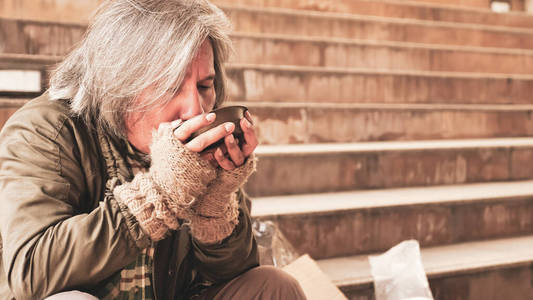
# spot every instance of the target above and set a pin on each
(48, 244)
(234, 255)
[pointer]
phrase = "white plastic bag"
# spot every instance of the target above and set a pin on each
(399, 275)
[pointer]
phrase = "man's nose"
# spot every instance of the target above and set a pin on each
(193, 105)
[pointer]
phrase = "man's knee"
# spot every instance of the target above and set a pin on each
(72, 295)
(279, 281)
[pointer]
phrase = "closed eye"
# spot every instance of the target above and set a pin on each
(206, 83)
(204, 87)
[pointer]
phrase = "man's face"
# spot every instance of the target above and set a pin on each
(195, 96)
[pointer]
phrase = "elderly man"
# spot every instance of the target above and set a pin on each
(102, 190)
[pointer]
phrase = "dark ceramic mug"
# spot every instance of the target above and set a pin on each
(225, 114)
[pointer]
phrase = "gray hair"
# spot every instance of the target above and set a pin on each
(134, 44)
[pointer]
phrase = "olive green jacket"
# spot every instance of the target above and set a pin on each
(62, 229)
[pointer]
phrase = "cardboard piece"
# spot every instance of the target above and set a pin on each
(316, 284)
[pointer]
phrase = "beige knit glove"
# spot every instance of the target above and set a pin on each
(177, 177)
(216, 213)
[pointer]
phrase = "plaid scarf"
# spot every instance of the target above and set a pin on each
(133, 282)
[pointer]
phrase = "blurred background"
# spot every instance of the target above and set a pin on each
(380, 121)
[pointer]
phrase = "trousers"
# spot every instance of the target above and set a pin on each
(260, 283)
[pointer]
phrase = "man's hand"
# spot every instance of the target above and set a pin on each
(228, 156)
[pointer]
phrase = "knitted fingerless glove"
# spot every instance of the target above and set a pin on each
(216, 213)
(177, 177)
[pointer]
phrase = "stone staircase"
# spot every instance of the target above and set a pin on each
(380, 121)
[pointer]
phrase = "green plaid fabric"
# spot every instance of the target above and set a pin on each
(134, 282)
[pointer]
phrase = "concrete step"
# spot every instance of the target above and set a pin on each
(486, 270)
(358, 222)
(346, 53)
(252, 82)
(353, 6)
(514, 5)
(52, 38)
(28, 62)
(461, 3)
(293, 123)
(308, 23)
(484, 4)
(47, 38)
(461, 11)
(48, 10)
(402, 9)
(322, 168)
(39, 37)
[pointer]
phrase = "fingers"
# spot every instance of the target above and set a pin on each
(186, 128)
(199, 143)
(235, 153)
(228, 156)
(248, 116)
(250, 139)
(223, 161)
